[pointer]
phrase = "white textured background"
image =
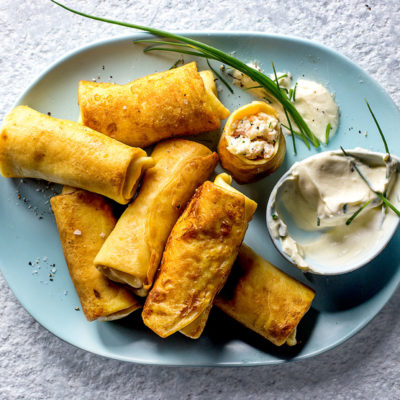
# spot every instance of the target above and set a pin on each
(34, 364)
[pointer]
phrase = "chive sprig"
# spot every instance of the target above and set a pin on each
(185, 45)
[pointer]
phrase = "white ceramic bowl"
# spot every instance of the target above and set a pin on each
(331, 267)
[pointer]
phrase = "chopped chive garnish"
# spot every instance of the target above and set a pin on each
(355, 166)
(177, 62)
(318, 221)
(388, 203)
(274, 217)
(379, 128)
(220, 77)
(328, 129)
(294, 92)
(384, 199)
(200, 49)
(350, 220)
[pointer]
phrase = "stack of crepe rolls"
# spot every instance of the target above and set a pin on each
(252, 144)
(34, 145)
(197, 260)
(84, 220)
(133, 251)
(180, 101)
(198, 246)
(264, 299)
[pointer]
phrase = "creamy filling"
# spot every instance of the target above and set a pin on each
(254, 136)
(312, 100)
(291, 340)
(317, 198)
(123, 277)
(119, 314)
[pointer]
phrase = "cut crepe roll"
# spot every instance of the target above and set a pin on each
(197, 259)
(264, 299)
(180, 101)
(84, 220)
(252, 144)
(133, 251)
(34, 145)
(195, 329)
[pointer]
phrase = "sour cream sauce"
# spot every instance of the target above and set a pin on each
(313, 101)
(319, 195)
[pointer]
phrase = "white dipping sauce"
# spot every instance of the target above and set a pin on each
(319, 195)
(317, 107)
(313, 101)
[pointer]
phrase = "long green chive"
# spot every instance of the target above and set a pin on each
(328, 129)
(292, 132)
(350, 220)
(206, 51)
(252, 87)
(284, 109)
(304, 138)
(220, 77)
(379, 128)
(192, 53)
(384, 199)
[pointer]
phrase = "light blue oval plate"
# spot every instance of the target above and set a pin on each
(343, 304)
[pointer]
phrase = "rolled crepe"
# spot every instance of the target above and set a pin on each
(233, 146)
(263, 298)
(133, 251)
(84, 220)
(34, 145)
(195, 328)
(180, 101)
(197, 259)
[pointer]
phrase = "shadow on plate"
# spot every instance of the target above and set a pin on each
(220, 331)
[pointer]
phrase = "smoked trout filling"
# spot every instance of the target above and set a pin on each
(254, 136)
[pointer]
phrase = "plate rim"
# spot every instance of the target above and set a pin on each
(390, 286)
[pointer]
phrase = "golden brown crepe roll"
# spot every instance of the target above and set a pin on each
(180, 101)
(197, 259)
(84, 221)
(34, 145)
(252, 144)
(263, 298)
(133, 251)
(195, 329)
